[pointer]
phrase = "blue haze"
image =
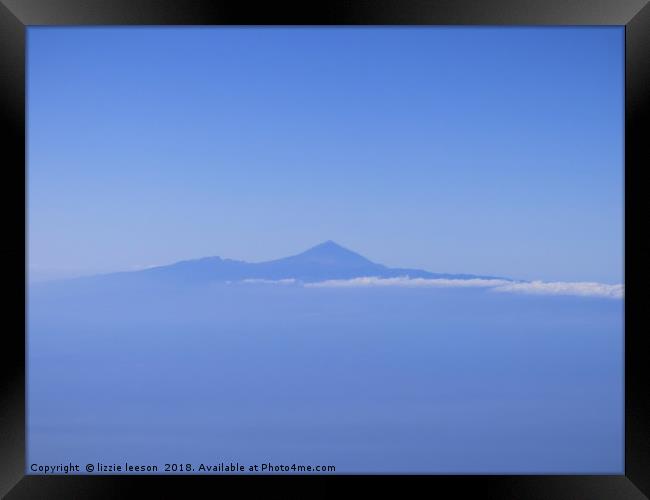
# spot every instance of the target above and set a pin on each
(460, 150)
(438, 151)
(366, 379)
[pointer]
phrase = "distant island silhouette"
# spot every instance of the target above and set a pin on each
(326, 261)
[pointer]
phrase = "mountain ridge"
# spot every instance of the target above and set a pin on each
(325, 261)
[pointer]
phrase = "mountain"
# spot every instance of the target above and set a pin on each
(326, 261)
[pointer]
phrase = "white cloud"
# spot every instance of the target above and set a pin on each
(287, 281)
(405, 281)
(584, 289)
(587, 289)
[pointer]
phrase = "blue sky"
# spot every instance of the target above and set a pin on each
(479, 150)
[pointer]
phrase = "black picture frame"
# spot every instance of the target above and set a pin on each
(17, 15)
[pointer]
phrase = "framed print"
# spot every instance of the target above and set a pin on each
(278, 247)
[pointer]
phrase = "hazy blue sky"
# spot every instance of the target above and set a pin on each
(479, 150)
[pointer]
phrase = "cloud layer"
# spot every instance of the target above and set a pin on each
(287, 281)
(587, 289)
(405, 281)
(584, 289)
